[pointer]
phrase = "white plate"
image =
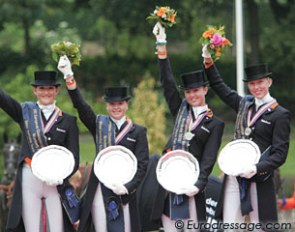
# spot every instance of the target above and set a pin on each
(115, 164)
(238, 154)
(177, 170)
(53, 163)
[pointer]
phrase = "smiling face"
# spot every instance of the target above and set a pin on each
(259, 88)
(117, 109)
(45, 94)
(196, 96)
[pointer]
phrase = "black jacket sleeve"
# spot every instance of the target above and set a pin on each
(171, 92)
(142, 155)
(227, 95)
(86, 114)
(10, 106)
(210, 154)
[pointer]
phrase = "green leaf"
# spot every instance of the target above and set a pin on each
(71, 50)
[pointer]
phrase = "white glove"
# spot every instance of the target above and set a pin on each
(249, 171)
(65, 66)
(191, 191)
(159, 32)
(54, 182)
(120, 189)
(205, 52)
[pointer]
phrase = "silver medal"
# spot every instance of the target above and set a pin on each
(248, 131)
(188, 135)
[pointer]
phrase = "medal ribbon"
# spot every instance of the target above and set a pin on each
(262, 109)
(52, 120)
(193, 125)
(113, 210)
(125, 130)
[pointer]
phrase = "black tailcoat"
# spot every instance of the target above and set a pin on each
(63, 133)
(136, 141)
(272, 128)
(204, 145)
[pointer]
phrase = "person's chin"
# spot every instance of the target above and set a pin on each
(117, 117)
(258, 96)
(195, 104)
(45, 103)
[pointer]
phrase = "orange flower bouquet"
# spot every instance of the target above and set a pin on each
(215, 40)
(163, 14)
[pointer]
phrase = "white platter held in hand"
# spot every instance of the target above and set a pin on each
(53, 162)
(115, 165)
(177, 170)
(238, 154)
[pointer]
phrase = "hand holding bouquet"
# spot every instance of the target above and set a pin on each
(164, 14)
(71, 50)
(215, 41)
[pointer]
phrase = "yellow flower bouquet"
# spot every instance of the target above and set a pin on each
(215, 40)
(163, 14)
(70, 49)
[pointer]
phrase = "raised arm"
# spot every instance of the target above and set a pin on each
(227, 95)
(168, 82)
(10, 106)
(86, 114)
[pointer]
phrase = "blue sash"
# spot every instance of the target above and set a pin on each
(105, 136)
(179, 204)
(241, 124)
(34, 127)
(177, 138)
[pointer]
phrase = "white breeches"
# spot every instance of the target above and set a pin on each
(169, 225)
(33, 191)
(232, 206)
(99, 215)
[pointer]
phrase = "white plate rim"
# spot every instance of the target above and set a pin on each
(225, 150)
(186, 156)
(107, 151)
(44, 176)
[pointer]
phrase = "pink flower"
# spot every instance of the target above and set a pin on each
(216, 39)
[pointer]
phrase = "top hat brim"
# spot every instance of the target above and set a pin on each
(194, 85)
(257, 77)
(116, 99)
(35, 84)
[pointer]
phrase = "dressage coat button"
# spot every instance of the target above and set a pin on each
(49, 138)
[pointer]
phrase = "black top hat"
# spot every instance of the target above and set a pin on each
(113, 94)
(45, 78)
(193, 79)
(256, 72)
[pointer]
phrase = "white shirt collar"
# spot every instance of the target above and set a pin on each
(119, 122)
(259, 102)
(199, 109)
(47, 109)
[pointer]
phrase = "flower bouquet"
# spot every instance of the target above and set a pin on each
(164, 14)
(215, 40)
(66, 48)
